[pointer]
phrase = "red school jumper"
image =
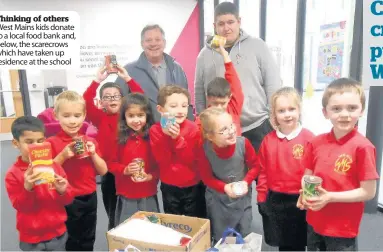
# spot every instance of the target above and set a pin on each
(251, 161)
(176, 157)
(234, 108)
(81, 172)
(281, 165)
(135, 147)
(342, 164)
(105, 123)
(40, 213)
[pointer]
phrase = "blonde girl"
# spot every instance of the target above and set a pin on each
(228, 165)
(281, 171)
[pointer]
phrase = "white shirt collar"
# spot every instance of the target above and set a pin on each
(292, 135)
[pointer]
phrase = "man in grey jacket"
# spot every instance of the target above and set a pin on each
(255, 66)
(154, 68)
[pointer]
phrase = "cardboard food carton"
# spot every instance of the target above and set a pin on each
(40, 157)
(198, 229)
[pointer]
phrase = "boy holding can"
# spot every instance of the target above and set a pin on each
(81, 159)
(174, 142)
(106, 121)
(226, 93)
(39, 203)
(344, 161)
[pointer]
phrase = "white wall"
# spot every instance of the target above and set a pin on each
(9, 107)
(115, 25)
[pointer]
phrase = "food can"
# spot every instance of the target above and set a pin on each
(216, 41)
(238, 188)
(140, 175)
(167, 119)
(310, 186)
(79, 148)
(111, 64)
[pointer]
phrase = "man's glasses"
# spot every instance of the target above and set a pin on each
(228, 131)
(111, 97)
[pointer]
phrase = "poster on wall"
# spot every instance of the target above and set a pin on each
(331, 48)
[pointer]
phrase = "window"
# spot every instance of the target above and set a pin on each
(328, 42)
(280, 36)
(208, 6)
(11, 104)
(249, 13)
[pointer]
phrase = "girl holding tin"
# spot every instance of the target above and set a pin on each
(279, 181)
(132, 164)
(228, 165)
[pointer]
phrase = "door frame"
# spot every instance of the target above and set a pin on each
(6, 122)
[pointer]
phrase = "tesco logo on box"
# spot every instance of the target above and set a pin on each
(178, 226)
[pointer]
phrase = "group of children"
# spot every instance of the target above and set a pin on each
(210, 150)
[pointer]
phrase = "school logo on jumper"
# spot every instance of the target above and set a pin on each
(343, 163)
(298, 151)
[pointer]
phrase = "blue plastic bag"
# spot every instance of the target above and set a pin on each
(232, 232)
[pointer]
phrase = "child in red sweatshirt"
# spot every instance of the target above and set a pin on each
(228, 165)
(106, 121)
(174, 146)
(279, 182)
(226, 93)
(39, 207)
(346, 162)
(133, 166)
(81, 170)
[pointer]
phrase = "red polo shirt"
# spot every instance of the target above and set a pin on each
(176, 157)
(234, 108)
(105, 123)
(81, 172)
(280, 159)
(135, 147)
(342, 164)
(40, 213)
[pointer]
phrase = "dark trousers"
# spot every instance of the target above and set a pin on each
(81, 223)
(202, 212)
(257, 134)
(56, 244)
(189, 201)
(292, 248)
(284, 224)
(317, 242)
(109, 197)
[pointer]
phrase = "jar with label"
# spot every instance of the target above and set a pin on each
(167, 119)
(140, 174)
(238, 188)
(79, 148)
(215, 42)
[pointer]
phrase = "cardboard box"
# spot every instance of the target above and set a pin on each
(198, 229)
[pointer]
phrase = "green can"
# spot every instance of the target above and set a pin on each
(310, 186)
